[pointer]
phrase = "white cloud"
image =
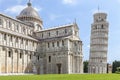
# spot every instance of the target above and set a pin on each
(18, 8)
(88, 46)
(15, 9)
(37, 9)
(53, 16)
(71, 2)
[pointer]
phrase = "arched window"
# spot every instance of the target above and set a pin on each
(30, 56)
(11, 38)
(38, 57)
(102, 26)
(49, 33)
(42, 35)
(9, 53)
(38, 27)
(75, 43)
(62, 43)
(57, 44)
(26, 42)
(10, 24)
(24, 30)
(20, 55)
(16, 39)
(17, 27)
(22, 41)
(53, 44)
(49, 59)
(65, 31)
(56, 32)
(48, 45)
(5, 36)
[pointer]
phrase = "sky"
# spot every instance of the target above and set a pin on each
(59, 12)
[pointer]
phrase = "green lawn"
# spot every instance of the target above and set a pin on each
(64, 77)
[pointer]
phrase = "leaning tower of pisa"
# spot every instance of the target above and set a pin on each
(98, 44)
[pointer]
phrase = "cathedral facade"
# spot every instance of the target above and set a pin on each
(25, 47)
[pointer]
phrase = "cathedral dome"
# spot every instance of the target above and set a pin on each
(28, 12)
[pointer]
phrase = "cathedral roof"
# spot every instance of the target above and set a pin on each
(29, 11)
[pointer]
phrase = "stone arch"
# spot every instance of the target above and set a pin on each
(10, 52)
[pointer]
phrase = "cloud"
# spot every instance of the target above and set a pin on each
(15, 9)
(88, 46)
(18, 8)
(38, 9)
(53, 16)
(70, 2)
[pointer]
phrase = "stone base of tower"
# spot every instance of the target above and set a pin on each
(97, 69)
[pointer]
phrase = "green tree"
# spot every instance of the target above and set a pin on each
(85, 66)
(115, 65)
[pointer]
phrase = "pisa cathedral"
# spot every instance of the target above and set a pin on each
(25, 47)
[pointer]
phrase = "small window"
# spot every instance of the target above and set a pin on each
(26, 42)
(102, 19)
(65, 31)
(57, 44)
(20, 55)
(17, 40)
(42, 35)
(34, 53)
(22, 41)
(53, 44)
(33, 44)
(38, 27)
(5, 36)
(9, 53)
(49, 33)
(17, 27)
(23, 29)
(10, 38)
(56, 32)
(49, 59)
(48, 45)
(38, 57)
(75, 43)
(10, 24)
(62, 42)
(30, 56)
(102, 26)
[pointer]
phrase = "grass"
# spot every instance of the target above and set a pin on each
(64, 77)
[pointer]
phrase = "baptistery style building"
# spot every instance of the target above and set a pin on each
(99, 44)
(25, 47)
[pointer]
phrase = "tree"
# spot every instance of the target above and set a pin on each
(85, 66)
(116, 64)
